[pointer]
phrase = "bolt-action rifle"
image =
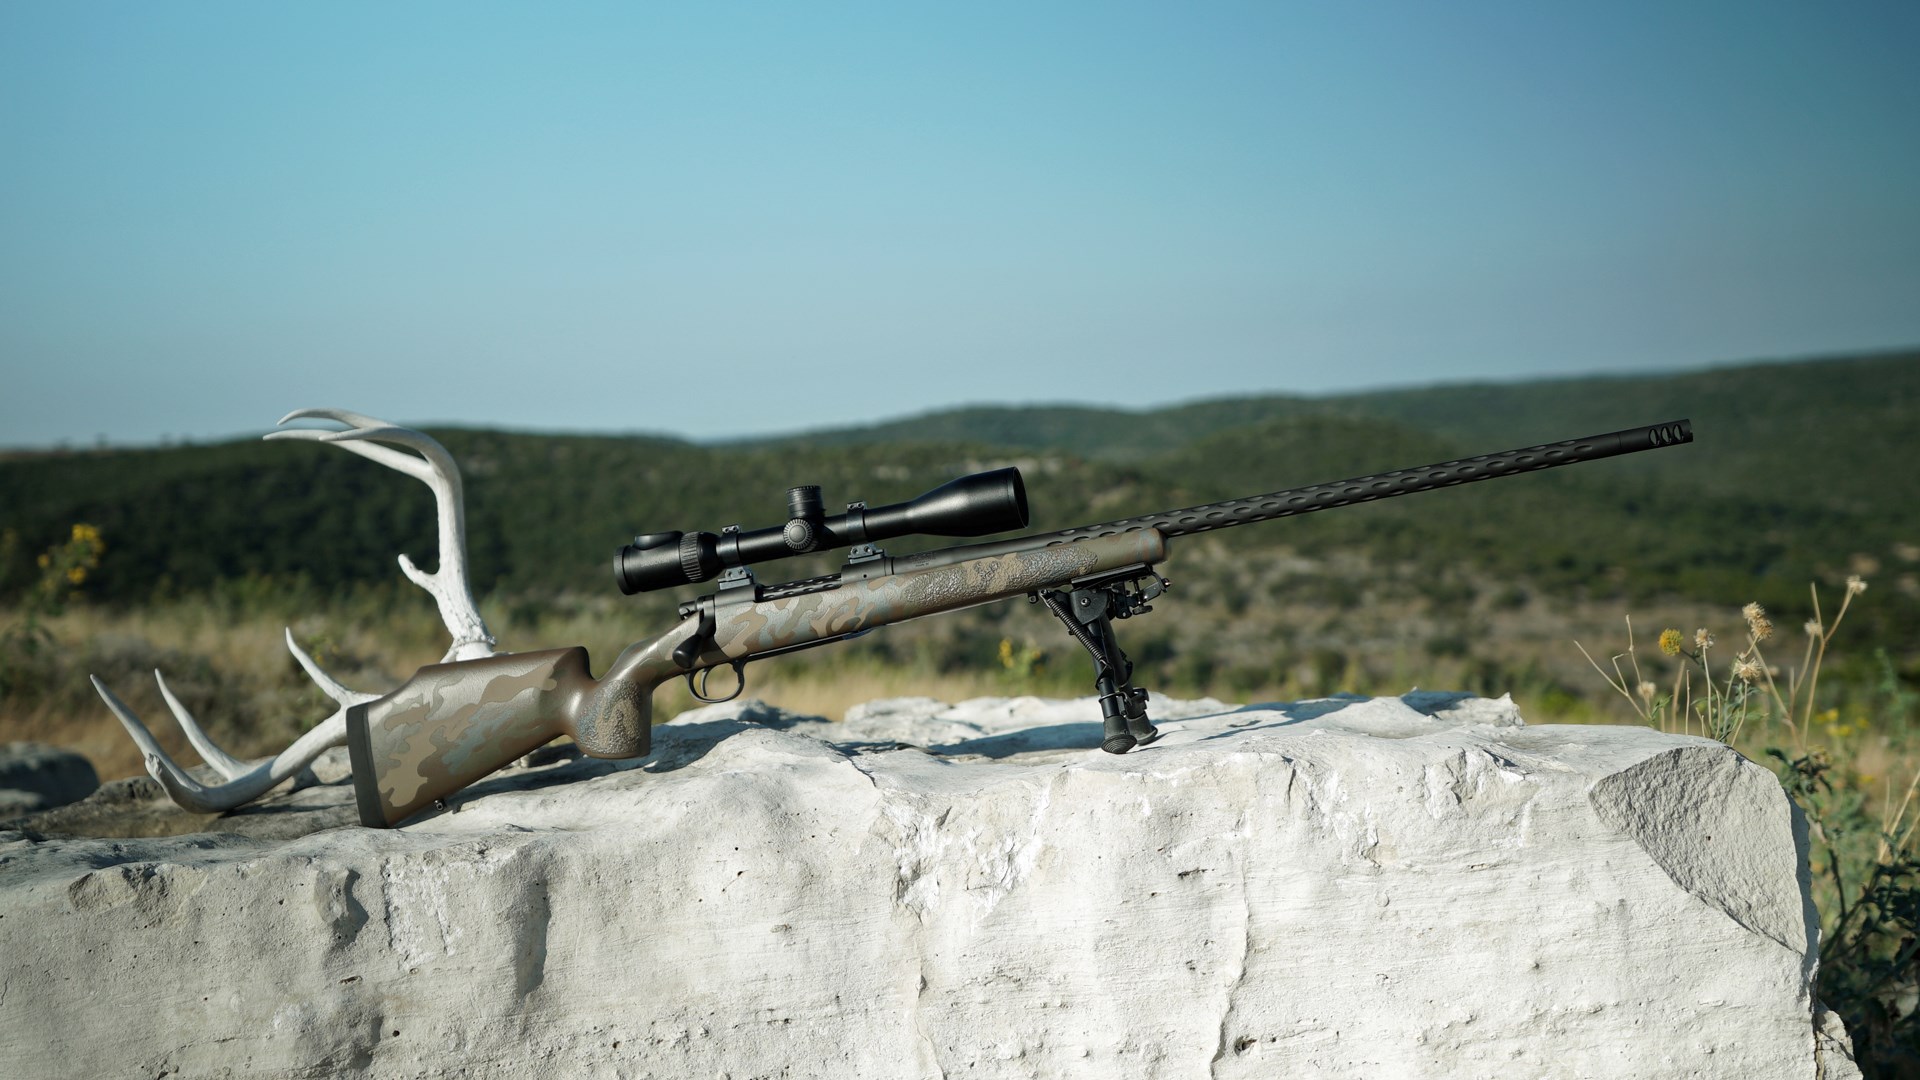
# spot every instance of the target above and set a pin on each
(454, 723)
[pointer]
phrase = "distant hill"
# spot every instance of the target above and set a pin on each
(1835, 433)
(1800, 469)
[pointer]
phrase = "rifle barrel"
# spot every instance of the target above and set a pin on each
(1293, 502)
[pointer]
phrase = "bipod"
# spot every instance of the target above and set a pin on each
(1087, 607)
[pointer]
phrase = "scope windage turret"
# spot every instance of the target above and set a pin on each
(976, 505)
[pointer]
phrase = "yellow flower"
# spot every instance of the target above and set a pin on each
(76, 574)
(1670, 641)
(86, 534)
(44, 560)
(1006, 653)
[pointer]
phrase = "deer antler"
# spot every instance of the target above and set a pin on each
(448, 585)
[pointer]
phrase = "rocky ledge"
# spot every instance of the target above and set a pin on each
(1414, 886)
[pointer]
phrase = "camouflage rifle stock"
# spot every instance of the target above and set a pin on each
(454, 723)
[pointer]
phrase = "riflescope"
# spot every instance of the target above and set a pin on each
(976, 505)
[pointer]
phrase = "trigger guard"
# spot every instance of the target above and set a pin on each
(739, 673)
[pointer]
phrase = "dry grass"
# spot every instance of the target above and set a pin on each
(1272, 629)
(229, 664)
(1719, 681)
(234, 673)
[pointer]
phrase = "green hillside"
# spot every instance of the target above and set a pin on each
(1839, 434)
(1800, 472)
(1837, 431)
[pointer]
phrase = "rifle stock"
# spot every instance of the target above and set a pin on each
(453, 724)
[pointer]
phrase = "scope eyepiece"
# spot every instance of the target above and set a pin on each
(975, 505)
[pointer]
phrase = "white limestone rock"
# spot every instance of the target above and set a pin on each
(1417, 886)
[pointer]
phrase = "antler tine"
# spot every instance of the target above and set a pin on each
(246, 780)
(149, 747)
(328, 684)
(352, 419)
(224, 763)
(449, 585)
(252, 781)
(183, 789)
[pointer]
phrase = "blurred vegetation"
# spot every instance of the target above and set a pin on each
(25, 639)
(1799, 474)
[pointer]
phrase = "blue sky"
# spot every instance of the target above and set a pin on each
(726, 219)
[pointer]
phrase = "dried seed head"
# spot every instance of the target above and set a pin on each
(1813, 628)
(1758, 625)
(1855, 586)
(1748, 671)
(1702, 640)
(1670, 641)
(1646, 690)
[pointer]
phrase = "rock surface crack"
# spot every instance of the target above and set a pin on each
(1239, 976)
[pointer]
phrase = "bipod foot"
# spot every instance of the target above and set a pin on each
(1125, 717)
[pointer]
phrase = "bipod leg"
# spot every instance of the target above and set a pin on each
(1123, 706)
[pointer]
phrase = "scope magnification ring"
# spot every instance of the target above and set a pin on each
(690, 557)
